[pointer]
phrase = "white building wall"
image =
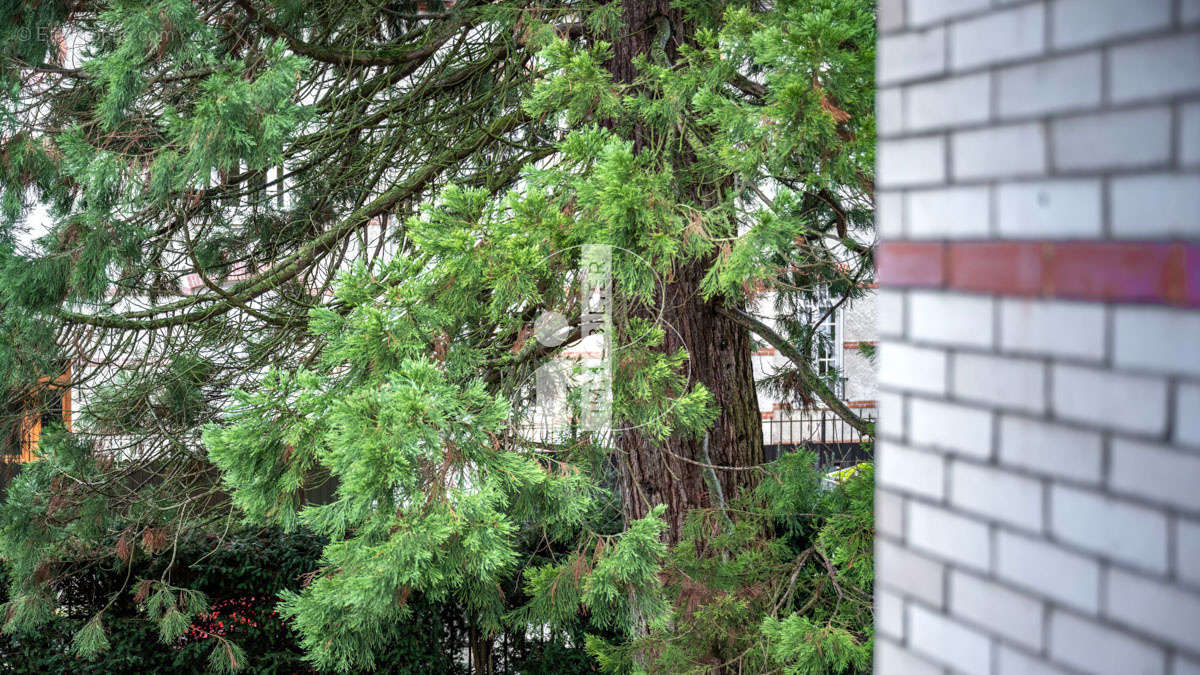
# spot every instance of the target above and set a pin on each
(1038, 497)
(860, 337)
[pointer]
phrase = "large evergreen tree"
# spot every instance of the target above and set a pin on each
(376, 202)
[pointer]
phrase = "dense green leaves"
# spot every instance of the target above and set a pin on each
(371, 205)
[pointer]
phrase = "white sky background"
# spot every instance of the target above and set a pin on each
(34, 225)
(37, 221)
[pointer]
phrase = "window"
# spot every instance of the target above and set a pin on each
(827, 336)
(828, 348)
(37, 411)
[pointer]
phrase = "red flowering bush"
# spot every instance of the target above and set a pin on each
(230, 615)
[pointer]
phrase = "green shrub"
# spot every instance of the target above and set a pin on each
(241, 576)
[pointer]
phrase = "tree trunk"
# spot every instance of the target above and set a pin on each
(654, 472)
(480, 644)
(673, 472)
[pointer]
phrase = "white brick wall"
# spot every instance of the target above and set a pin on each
(891, 313)
(1049, 571)
(891, 414)
(1153, 607)
(951, 427)
(910, 573)
(889, 514)
(890, 222)
(1123, 139)
(1184, 666)
(889, 15)
(1165, 205)
(1094, 648)
(1073, 330)
(948, 535)
(940, 639)
(1189, 11)
(997, 495)
(1187, 550)
(1051, 449)
(1158, 339)
(954, 213)
(1118, 530)
(1082, 22)
(1016, 384)
(998, 37)
(1038, 510)
(890, 117)
(891, 659)
(1156, 472)
(1187, 422)
(1057, 85)
(1155, 68)
(945, 103)
(998, 152)
(1110, 400)
(1189, 134)
(915, 161)
(913, 368)
(997, 609)
(913, 471)
(921, 12)
(889, 614)
(905, 57)
(963, 320)
(1050, 209)
(1010, 661)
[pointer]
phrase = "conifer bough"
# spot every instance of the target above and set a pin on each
(293, 239)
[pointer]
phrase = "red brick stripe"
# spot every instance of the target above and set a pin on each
(1002, 267)
(1154, 272)
(908, 263)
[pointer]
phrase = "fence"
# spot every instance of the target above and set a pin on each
(836, 443)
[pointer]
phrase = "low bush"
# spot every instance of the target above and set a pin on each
(241, 576)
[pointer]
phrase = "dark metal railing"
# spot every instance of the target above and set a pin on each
(832, 438)
(794, 427)
(836, 443)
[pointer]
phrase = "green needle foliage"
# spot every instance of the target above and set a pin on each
(370, 205)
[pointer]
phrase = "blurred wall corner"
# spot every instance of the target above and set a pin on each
(1038, 497)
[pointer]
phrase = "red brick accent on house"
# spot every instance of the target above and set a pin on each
(860, 404)
(1156, 272)
(850, 344)
(780, 406)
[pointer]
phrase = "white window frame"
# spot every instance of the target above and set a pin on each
(834, 324)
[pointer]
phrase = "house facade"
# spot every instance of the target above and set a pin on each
(843, 354)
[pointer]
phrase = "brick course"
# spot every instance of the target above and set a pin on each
(1142, 272)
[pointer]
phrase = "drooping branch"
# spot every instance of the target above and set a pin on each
(298, 262)
(810, 379)
(381, 56)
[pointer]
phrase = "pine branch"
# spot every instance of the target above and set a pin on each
(809, 378)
